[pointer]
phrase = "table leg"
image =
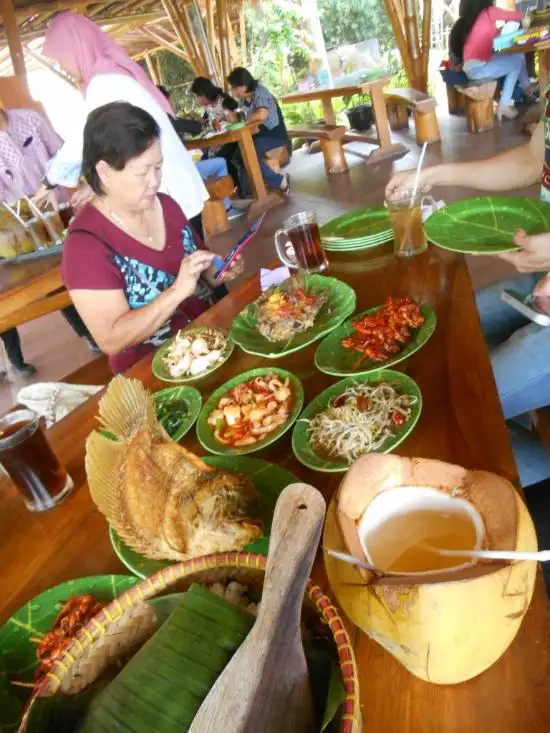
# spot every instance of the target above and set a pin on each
(328, 112)
(386, 148)
(264, 200)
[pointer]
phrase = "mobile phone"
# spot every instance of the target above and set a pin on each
(238, 248)
(526, 305)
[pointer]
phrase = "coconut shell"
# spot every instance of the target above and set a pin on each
(448, 627)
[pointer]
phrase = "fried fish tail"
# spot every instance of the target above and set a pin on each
(126, 407)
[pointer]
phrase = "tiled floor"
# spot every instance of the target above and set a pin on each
(55, 350)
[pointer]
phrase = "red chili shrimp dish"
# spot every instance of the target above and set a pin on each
(252, 410)
(380, 335)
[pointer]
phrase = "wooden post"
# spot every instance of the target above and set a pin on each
(151, 69)
(233, 53)
(11, 30)
(160, 74)
(426, 41)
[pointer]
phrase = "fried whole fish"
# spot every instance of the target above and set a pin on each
(162, 500)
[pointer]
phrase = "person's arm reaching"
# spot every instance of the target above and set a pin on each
(115, 326)
(515, 168)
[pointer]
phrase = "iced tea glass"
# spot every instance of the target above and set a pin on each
(29, 461)
(306, 253)
(405, 210)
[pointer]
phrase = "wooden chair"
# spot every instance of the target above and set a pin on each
(422, 106)
(331, 138)
(480, 109)
(214, 215)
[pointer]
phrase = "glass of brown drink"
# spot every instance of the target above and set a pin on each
(306, 253)
(29, 461)
(405, 210)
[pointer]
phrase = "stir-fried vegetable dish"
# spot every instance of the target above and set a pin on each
(360, 420)
(284, 312)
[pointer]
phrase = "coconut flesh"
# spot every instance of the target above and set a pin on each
(444, 623)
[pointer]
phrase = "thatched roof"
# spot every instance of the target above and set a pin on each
(140, 26)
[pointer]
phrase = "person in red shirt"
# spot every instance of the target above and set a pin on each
(471, 44)
(135, 269)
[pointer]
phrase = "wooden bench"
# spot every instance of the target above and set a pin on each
(422, 106)
(480, 109)
(214, 215)
(331, 138)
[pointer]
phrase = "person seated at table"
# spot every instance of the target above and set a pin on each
(520, 350)
(27, 142)
(261, 106)
(471, 43)
(218, 105)
(106, 73)
(132, 263)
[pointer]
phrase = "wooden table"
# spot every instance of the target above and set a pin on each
(542, 49)
(29, 290)
(461, 422)
(325, 95)
(243, 136)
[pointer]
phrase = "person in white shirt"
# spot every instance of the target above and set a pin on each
(105, 73)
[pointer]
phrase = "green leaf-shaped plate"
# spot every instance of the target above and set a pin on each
(183, 404)
(269, 481)
(340, 304)
(205, 433)
(486, 225)
(300, 439)
(161, 371)
(361, 224)
(332, 358)
(35, 618)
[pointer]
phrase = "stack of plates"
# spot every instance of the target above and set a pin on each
(359, 230)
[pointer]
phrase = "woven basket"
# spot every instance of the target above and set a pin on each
(127, 622)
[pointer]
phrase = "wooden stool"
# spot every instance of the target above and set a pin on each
(214, 215)
(480, 112)
(399, 101)
(331, 138)
(276, 158)
(454, 100)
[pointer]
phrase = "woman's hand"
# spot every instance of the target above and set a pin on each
(534, 255)
(45, 195)
(191, 269)
(404, 180)
(82, 195)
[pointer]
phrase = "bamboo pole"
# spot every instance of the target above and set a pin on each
(233, 51)
(193, 35)
(224, 40)
(242, 32)
(11, 31)
(213, 40)
(426, 41)
(49, 65)
(209, 52)
(392, 12)
(151, 69)
(158, 63)
(164, 43)
(413, 42)
(173, 13)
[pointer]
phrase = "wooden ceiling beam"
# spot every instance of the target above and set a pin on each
(177, 20)
(46, 63)
(51, 6)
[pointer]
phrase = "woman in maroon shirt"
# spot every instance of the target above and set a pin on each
(131, 262)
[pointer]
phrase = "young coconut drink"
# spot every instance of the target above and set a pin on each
(394, 514)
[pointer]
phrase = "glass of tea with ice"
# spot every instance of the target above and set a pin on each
(305, 253)
(405, 210)
(29, 461)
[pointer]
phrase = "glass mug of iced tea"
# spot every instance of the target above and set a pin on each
(306, 253)
(29, 461)
(405, 210)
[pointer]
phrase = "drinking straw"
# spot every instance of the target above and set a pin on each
(418, 169)
(541, 556)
